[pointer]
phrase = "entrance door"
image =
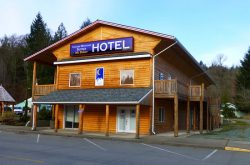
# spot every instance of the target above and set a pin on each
(71, 116)
(126, 119)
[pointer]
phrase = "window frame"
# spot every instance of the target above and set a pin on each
(127, 70)
(70, 74)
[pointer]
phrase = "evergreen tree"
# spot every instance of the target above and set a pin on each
(85, 23)
(38, 39)
(60, 33)
(243, 84)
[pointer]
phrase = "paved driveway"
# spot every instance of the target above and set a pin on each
(42, 149)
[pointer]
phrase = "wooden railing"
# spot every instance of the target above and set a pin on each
(168, 87)
(41, 90)
(171, 87)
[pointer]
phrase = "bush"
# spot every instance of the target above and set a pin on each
(228, 110)
(8, 118)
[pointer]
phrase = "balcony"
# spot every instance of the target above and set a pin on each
(169, 88)
(41, 90)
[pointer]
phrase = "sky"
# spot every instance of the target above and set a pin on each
(207, 28)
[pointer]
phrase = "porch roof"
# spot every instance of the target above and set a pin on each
(5, 96)
(96, 96)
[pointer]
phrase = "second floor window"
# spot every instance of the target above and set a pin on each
(75, 79)
(127, 77)
(161, 75)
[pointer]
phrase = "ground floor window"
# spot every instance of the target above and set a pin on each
(162, 114)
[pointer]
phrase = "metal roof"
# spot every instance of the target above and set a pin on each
(5, 96)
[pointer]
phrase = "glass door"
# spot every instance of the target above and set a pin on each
(71, 116)
(126, 119)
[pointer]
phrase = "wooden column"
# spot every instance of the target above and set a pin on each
(34, 80)
(12, 107)
(176, 130)
(207, 117)
(34, 117)
(201, 108)
(137, 133)
(2, 108)
(194, 118)
(56, 117)
(107, 121)
(81, 110)
(188, 116)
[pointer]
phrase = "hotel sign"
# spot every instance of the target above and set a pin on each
(103, 46)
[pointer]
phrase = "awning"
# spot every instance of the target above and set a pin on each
(97, 96)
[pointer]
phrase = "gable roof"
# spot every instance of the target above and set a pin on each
(5, 96)
(92, 26)
(51, 58)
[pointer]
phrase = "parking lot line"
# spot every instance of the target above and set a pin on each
(38, 137)
(209, 155)
(98, 146)
(165, 150)
(21, 158)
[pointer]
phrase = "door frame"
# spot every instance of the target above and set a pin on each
(127, 108)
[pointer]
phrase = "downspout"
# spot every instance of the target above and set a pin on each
(153, 80)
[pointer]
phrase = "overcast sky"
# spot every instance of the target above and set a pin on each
(206, 28)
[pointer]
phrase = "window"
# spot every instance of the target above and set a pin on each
(169, 76)
(162, 114)
(74, 79)
(127, 77)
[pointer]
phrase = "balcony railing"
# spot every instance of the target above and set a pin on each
(168, 88)
(41, 90)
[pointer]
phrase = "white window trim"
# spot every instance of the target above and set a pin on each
(103, 76)
(80, 80)
(133, 78)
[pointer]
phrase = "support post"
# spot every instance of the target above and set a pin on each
(176, 116)
(137, 134)
(81, 110)
(207, 117)
(13, 108)
(188, 116)
(56, 117)
(107, 121)
(34, 117)
(34, 80)
(201, 109)
(194, 118)
(2, 107)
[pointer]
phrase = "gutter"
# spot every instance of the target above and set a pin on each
(153, 80)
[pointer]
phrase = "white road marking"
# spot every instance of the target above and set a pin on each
(95, 144)
(38, 137)
(209, 155)
(165, 150)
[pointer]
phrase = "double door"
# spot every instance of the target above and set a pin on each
(126, 119)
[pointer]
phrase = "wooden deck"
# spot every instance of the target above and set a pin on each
(41, 90)
(170, 88)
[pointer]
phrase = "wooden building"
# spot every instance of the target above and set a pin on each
(113, 78)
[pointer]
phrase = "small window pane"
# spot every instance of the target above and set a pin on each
(127, 77)
(162, 114)
(75, 80)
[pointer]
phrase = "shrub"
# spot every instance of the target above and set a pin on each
(44, 114)
(8, 118)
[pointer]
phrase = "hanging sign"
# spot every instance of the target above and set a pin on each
(99, 77)
(103, 46)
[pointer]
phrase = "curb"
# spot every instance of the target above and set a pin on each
(236, 149)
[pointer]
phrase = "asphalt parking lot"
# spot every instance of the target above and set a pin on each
(31, 149)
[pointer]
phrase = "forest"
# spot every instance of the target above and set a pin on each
(232, 83)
